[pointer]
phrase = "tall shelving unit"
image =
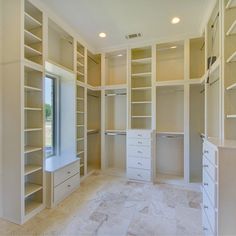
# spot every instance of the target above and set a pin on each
(114, 112)
(141, 98)
(229, 71)
(23, 108)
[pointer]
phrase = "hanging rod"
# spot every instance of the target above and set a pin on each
(214, 82)
(92, 95)
(115, 133)
(93, 60)
(115, 94)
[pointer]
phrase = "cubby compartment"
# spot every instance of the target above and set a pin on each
(60, 46)
(80, 65)
(170, 61)
(33, 202)
(197, 58)
(196, 126)
(116, 68)
(93, 130)
(93, 69)
(33, 33)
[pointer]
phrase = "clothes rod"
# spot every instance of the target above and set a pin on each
(115, 94)
(114, 134)
(92, 95)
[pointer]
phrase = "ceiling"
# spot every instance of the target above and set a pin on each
(118, 18)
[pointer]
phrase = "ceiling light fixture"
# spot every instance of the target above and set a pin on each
(119, 55)
(175, 20)
(173, 47)
(102, 35)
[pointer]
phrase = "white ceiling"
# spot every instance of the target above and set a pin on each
(118, 18)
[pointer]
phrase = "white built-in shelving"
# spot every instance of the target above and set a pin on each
(230, 4)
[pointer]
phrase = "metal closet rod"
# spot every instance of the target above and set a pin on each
(115, 94)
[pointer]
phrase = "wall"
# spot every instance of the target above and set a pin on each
(1, 1)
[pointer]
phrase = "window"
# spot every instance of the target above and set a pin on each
(50, 116)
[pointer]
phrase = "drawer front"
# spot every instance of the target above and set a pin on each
(65, 173)
(138, 142)
(63, 190)
(206, 225)
(210, 168)
(210, 187)
(139, 151)
(138, 134)
(138, 174)
(209, 211)
(210, 153)
(140, 163)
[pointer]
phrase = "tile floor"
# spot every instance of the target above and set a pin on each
(112, 206)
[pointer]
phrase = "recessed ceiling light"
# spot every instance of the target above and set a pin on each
(175, 20)
(173, 47)
(119, 55)
(102, 35)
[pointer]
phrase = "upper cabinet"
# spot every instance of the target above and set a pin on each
(60, 46)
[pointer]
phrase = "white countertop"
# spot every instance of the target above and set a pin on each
(58, 162)
(226, 143)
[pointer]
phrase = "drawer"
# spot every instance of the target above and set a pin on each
(210, 168)
(210, 187)
(139, 134)
(63, 190)
(139, 151)
(140, 163)
(139, 142)
(210, 153)
(65, 173)
(138, 174)
(206, 225)
(209, 211)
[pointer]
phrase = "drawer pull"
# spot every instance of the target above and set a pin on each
(140, 142)
(206, 151)
(205, 184)
(205, 207)
(139, 175)
(140, 152)
(206, 166)
(205, 229)
(68, 172)
(140, 135)
(68, 185)
(139, 163)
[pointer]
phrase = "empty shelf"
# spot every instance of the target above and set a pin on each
(29, 149)
(32, 129)
(231, 116)
(80, 152)
(80, 125)
(169, 133)
(232, 58)
(29, 169)
(232, 86)
(33, 109)
(80, 73)
(136, 75)
(141, 117)
(32, 89)
(142, 88)
(231, 4)
(31, 189)
(232, 29)
(80, 139)
(31, 206)
(80, 112)
(142, 102)
(80, 55)
(80, 99)
(31, 23)
(31, 52)
(80, 64)
(31, 38)
(147, 60)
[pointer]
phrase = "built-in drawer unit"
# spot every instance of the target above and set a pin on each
(219, 194)
(140, 155)
(62, 179)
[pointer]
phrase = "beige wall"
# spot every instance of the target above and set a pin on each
(1, 108)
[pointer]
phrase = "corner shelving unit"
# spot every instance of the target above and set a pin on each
(80, 64)
(141, 88)
(229, 68)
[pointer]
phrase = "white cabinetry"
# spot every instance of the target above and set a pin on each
(140, 154)
(219, 207)
(63, 177)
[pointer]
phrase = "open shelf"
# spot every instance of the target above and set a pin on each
(33, 109)
(231, 4)
(232, 58)
(31, 52)
(233, 116)
(142, 88)
(32, 89)
(31, 188)
(31, 22)
(33, 129)
(93, 131)
(147, 60)
(232, 29)
(176, 133)
(29, 169)
(141, 74)
(231, 87)
(30, 149)
(140, 117)
(31, 38)
(31, 205)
